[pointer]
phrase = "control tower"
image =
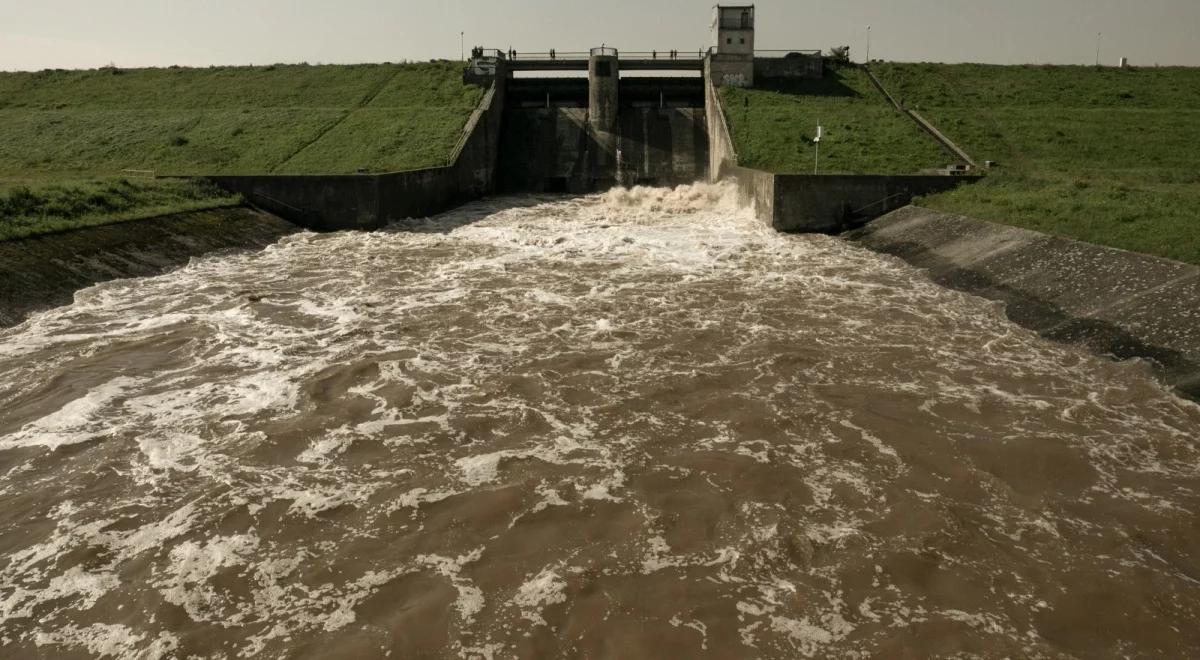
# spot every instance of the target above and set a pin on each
(732, 61)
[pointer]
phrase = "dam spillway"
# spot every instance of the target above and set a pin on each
(587, 134)
(635, 424)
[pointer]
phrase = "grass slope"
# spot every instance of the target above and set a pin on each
(231, 120)
(45, 207)
(1106, 155)
(66, 136)
(773, 125)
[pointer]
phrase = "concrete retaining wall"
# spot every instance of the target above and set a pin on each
(42, 272)
(370, 201)
(789, 68)
(829, 203)
(807, 202)
(721, 152)
(1115, 302)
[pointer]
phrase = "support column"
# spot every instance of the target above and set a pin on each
(604, 78)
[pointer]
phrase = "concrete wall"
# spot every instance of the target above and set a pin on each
(1114, 302)
(663, 146)
(554, 150)
(829, 203)
(545, 150)
(730, 70)
(789, 68)
(756, 189)
(370, 201)
(721, 152)
(42, 272)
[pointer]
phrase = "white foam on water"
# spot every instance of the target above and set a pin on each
(539, 592)
(79, 421)
(649, 383)
(110, 641)
(470, 599)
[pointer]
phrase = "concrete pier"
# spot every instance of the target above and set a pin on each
(604, 77)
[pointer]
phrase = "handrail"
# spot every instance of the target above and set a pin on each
(299, 212)
(485, 104)
(885, 200)
(550, 55)
(669, 54)
(920, 121)
(714, 94)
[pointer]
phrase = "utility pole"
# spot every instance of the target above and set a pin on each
(868, 44)
(1098, 36)
(462, 46)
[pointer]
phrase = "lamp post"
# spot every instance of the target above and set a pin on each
(462, 46)
(868, 44)
(1098, 36)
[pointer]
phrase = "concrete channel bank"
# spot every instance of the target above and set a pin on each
(1116, 303)
(810, 202)
(42, 272)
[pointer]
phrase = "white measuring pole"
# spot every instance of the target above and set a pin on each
(817, 141)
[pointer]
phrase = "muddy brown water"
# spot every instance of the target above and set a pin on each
(632, 425)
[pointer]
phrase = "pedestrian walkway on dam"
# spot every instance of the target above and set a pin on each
(655, 60)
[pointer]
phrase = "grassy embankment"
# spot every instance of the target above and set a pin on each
(773, 126)
(1107, 156)
(67, 136)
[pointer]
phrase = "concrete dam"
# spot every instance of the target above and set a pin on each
(583, 135)
(590, 389)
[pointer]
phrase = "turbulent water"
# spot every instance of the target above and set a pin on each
(628, 425)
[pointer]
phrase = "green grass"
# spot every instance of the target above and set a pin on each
(45, 207)
(67, 136)
(285, 119)
(1106, 156)
(773, 126)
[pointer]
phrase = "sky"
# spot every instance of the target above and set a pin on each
(38, 34)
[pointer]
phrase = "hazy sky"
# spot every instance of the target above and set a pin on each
(36, 34)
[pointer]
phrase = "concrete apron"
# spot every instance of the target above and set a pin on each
(1116, 303)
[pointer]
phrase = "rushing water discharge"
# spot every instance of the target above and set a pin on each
(628, 425)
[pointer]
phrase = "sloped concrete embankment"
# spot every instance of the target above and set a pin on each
(42, 272)
(1114, 302)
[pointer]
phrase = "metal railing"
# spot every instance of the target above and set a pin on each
(669, 55)
(882, 203)
(517, 56)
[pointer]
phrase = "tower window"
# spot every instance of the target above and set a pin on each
(729, 40)
(743, 41)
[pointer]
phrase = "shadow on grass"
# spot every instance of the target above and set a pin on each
(833, 84)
